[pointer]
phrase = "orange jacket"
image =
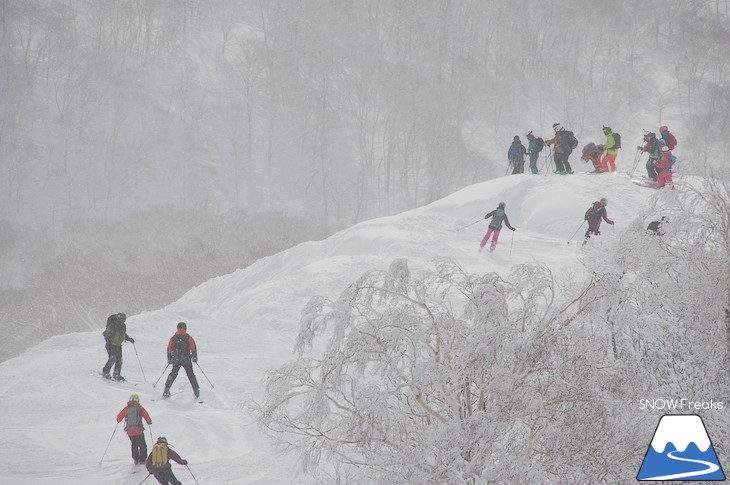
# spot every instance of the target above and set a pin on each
(123, 414)
(192, 348)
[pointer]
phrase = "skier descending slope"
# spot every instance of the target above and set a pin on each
(133, 414)
(181, 352)
(498, 216)
(158, 463)
(594, 215)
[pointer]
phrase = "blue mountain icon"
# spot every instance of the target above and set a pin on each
(680, 450)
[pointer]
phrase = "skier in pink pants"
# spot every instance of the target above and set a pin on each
(498, 216)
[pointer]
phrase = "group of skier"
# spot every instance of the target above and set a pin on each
(602, 156)
(181, 352)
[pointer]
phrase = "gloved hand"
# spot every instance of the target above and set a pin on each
(195, 359)
(130, 339)
(610, 222)
(511, 228)
(184, 462)
(169, 360)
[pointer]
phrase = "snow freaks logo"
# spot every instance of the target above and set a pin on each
(680, 450)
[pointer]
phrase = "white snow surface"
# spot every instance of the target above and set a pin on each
(58, 415)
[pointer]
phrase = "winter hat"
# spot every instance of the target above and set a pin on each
(607, 129)
(502, 205)
(665, 148)
(604, 201)
(529, 135)
(516, 138)
(162, 439)
(557, 127)
(134, 397)
(182, 325)
(663, 128)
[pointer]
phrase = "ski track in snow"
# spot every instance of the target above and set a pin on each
(57, 420)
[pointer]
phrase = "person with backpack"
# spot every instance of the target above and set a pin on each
(663, 167)
(115, 334)
(534, 147)
(181, 352)
(651, 146)
(565, 142)
(495, 226)
(613, 143)
(133, 414)
(592, 153)
(655, 227)
(669, 139)
(593, 215)
(516, 155)
(158, 462)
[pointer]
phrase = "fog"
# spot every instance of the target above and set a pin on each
(148, 145)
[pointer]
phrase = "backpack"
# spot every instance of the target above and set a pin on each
(568, 140)
(180, 346)
(672, 161)
(134, 418)
(593, 212)
(159, 455)
(616, 141)
(540, 144)
(497, 219)
(589, 151)
(671, 141)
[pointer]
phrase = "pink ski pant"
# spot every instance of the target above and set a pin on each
(489, 233)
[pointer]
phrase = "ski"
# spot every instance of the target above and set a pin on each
(116, 381)
(644, 183)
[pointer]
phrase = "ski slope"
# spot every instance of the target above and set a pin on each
(58, 416)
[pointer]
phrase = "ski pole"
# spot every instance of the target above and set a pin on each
(576, 232)
(637, 158)
(140, 362)
(110, 442)
(508, 166)
(191, 474)
(145, 479)
(158, 379)
(206, 377)
(464, 227)
(511, 242)
(152, 440)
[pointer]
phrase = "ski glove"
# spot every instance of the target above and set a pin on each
(184, 462)
(195, 359)
(130, 339)
(511, 228)
(610, 222)
(169, 359)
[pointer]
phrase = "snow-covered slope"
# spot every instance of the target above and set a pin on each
(58, 416)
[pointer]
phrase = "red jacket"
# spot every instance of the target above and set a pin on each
(192, 350)
(663, 163)
(123, 414)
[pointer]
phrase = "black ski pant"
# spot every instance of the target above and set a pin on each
(188, 366)
(651, 169)
(139, 448)
(561, 162)
(166, 477)
(115, 359)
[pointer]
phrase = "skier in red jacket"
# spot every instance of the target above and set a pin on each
(181, 352)
(594, 216)
(133, 414)
(664, 168)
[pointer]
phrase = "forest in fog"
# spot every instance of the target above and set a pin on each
(148, 145)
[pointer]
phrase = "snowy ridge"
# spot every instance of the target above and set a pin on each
(55, 413)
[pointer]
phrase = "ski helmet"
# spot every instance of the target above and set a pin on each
(663, 128)
(182, 325)
(134, 397)
(516, 138)
(502, 205)
(604, 201)
(121, 316)
(162, 439)
(607, 129)
(557, 127)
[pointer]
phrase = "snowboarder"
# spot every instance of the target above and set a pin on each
(663, 167)
(564, 142)
(651, 146)
(669, 139)
(181, 352)
(158, 462)
(655, 227)
(594, 216)
(608, 163)
(592, 153)
(498, 216)
(534, 147)
(133, 414)
(516, 155)
(115, 334)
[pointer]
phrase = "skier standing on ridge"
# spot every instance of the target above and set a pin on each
(181, 352)
(663, 167)
(608, 163)
(516, 155)
(565, 142)
(534, 147)
(498, 216)
(594, 216)
(158, 463)
(651, 146)
(115, 334)
(133, 414)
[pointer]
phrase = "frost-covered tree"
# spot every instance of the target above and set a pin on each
(444, 377)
